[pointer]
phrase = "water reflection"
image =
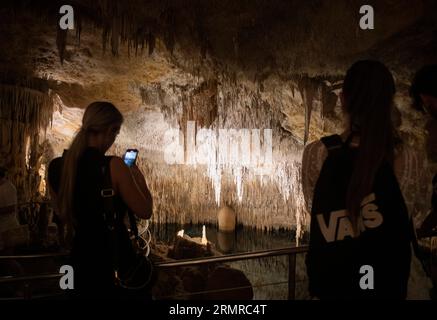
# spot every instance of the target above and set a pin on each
(241, 240)
(225, 241)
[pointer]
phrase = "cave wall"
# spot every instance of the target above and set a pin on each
(225, 65)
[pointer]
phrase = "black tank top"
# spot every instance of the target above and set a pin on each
(92, 254)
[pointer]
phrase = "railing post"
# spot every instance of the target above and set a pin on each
(291, 276)
(27, 295)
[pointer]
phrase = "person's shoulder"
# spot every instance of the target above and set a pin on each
(116, 162)
(54, 169)
(55, 162)
(315, 152)
(118, 168)
(116, 159)
(314, 147)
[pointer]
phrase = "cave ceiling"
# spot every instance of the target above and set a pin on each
(177, 58)
(225, 64)
(119, 47)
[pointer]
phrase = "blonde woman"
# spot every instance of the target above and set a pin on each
(81, 206)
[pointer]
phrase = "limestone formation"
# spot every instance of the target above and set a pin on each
(237, 65)
(226, 219)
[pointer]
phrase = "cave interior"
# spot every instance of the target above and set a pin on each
(219, 97)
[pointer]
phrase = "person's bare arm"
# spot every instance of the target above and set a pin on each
(305, 178)
(141, 182)
(132, 189)
(313, 157)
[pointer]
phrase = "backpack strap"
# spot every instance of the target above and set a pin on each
(133, 223)
(332, 143)
(107, 193)
(109, 213)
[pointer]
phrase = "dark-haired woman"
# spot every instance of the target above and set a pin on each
(374, 157)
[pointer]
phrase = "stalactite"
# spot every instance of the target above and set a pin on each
(151, 42)
(26, 109)
(168, 18)
(115, 36)
(61, 42)
(264, 196)
(78, 21)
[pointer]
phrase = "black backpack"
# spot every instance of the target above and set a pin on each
(337, 260)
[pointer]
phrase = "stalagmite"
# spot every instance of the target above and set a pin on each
(226, 219)
(204, 240)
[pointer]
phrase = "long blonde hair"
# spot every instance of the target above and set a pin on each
(98, 117)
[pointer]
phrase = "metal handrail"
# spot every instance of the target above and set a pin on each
(30, 278)
(291, 252)
(233, 257)
(34, 297)
(34, 256)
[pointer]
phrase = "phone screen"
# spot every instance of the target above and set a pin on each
(130, 157)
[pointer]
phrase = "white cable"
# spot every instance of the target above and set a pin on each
(147, 239)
